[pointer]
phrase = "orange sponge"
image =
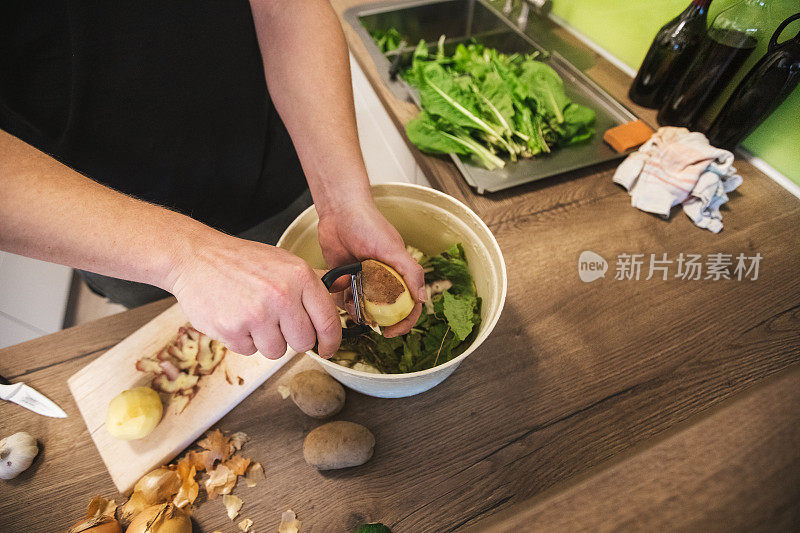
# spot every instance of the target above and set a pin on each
(629, 135)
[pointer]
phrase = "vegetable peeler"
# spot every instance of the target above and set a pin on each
(354, 271)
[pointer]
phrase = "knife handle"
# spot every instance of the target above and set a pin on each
(4, 381)
(329, 278)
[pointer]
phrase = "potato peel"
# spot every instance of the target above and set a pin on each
(179, 365)
(245, 525)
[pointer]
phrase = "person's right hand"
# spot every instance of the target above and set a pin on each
(252, 296)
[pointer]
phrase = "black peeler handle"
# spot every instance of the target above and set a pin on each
(330, 278)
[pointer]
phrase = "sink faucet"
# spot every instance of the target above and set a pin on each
(540, 7)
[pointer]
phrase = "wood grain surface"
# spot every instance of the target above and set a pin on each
(728, 471)
(574, 374)
(96, 384)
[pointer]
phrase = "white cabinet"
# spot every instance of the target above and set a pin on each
(386, 154)
(33, 298)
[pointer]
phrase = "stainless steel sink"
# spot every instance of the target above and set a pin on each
(464, 20)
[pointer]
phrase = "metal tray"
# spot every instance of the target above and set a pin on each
(462, 20)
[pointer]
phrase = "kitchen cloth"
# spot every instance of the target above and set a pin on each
(678, 166)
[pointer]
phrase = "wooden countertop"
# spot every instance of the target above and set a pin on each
(622, 404)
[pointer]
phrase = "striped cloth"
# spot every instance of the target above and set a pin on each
(677, 166)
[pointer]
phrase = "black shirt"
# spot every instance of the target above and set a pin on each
(161, 99)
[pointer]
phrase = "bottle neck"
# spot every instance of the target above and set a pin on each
(701, 5)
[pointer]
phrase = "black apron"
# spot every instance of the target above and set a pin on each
(164, 100)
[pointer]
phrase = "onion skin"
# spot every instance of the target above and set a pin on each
(165, 518)
(100, 524)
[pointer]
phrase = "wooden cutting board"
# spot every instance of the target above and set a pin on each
(98, 382)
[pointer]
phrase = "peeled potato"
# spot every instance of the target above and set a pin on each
(134, 413)
(386, 297)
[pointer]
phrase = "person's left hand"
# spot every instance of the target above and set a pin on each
(360, 233)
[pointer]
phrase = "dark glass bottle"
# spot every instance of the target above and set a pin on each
(767, 84)
(731, 38)
(672, 49)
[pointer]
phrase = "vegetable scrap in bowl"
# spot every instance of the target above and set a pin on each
(445, 329)
(481, 103)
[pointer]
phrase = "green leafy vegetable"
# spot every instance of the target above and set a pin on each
(486, 105)
(388, 40)
(424, 132)
(458, 312)
(444, 330)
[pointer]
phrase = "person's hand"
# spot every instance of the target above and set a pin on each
(252, 296)
(361, 232)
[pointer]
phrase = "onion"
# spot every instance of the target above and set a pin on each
(135, 505)
(164, 518)
(158, 486)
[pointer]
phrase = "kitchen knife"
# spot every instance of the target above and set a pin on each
(29, 398)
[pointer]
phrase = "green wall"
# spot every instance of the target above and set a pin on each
(626, 27)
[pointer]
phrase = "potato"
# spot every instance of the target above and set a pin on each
(338, 445)
(316, 393)
(386, 297)
(134, 413)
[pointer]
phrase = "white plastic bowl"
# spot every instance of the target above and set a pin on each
(431, 221)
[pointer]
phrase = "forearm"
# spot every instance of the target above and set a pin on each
(308, 75)
(50, 212)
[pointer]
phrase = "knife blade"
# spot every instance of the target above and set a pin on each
(29, 398)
